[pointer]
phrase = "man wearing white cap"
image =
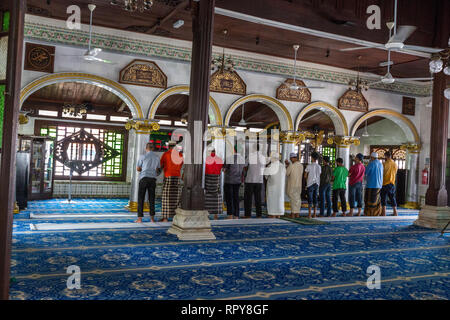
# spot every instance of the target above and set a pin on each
(294, 174)
(374, 182)
(275, 173)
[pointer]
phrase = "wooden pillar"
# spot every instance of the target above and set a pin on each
(8, 154)
(191, 221)
(193, 197)
(437, 193)
(435, 214)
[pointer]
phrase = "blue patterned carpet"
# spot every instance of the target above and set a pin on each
(251, 261)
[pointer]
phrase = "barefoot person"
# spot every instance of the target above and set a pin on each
(294, 173)
(356, 176)
(312, 176)
(276, 181)
(148, 167)
(233, 169)
(340, 174)
(388, 190)
(171, 163)
(213, 194)
(374, 182)
(325, 187)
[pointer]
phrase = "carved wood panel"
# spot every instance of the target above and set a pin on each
(143, 73)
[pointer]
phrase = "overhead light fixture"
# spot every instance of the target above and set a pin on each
(178, 24)
(133, 5)
(436, 65)
(447, 92)
(447, 69)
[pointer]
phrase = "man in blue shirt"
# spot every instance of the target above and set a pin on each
(374, 182)
(149, 168)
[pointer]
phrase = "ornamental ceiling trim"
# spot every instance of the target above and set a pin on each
(119, 44)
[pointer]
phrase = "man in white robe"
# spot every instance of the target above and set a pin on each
(275, 188)
(294, 174)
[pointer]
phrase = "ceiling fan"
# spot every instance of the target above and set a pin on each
(243, 123)
(366, 134)
(91, 53)
(389, 79)
(397, 40)
(294, 85)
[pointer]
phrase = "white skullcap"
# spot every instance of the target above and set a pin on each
(374, 155)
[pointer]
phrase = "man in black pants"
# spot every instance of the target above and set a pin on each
(254, 180)
(233, 178)
(149, 168)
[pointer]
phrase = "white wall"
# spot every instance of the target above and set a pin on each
(178, 73)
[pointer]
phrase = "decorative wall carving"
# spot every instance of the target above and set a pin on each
(227, 82)
(284, 92)
(353, 100)
(39, 57)
(409, 106)
(143, 73)
(92, 151)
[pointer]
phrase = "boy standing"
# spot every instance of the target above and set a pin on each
(312, 176)
(340, 175)
(325, 186)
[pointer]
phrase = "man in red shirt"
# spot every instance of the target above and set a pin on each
(356, 176)
(213, 194)
(171, 163)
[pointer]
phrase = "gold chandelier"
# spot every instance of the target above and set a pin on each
(134, 5)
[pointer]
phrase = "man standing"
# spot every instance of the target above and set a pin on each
(254, 179)
(325, 186)
(171, 163)
(213, 194)
(388, 190)
(340, 174)
(233, 178)
(356, 175)
(148, 167)
(294, 173)
(276, 181)
(312, 176)
(374, 182)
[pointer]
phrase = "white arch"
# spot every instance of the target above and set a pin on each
(104, 83)
(338, 119)
(403, 122)
(280, 109)
(215, 115)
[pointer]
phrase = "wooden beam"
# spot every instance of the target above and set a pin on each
(8, 155)
(161, 21)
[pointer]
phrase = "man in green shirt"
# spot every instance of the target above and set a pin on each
(340, 174)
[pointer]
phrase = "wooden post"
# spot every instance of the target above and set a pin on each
(191, 221)
(193, 196)
(8, 155)
(435, 214)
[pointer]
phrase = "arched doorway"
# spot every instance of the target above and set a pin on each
(321, 121)
(94, 127)
(386, 130)
(180, 96)
(104, 83)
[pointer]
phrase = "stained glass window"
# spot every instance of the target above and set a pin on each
(6, 18)
(113, 168)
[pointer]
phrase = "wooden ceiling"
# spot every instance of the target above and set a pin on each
(316, 119)
(341, 17)
(256, 112)
(55, 96)
(173, 108)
